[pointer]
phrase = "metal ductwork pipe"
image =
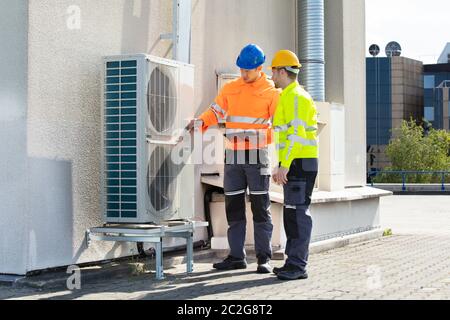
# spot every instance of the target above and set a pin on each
(311, 46)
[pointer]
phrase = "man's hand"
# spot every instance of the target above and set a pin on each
(194, 122)
(274, 174)
(280, 175)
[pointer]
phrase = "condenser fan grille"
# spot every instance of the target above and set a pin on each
(162, 100)
(162, 178)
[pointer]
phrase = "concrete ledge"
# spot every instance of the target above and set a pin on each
(316, 247)
(6, 279)
(326, 245)
(349, 194)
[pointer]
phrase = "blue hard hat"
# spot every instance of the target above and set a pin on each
(251, 57)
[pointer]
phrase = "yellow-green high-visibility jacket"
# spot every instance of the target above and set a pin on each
(295, 126)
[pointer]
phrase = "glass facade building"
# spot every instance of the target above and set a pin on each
(436, 95)
(394, 92)
(379, 101)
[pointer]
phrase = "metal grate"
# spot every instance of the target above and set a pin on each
(162, 100)
(121, 139)
(162, 181)
(163, 116)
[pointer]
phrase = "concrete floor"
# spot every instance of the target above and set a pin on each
(416, 214)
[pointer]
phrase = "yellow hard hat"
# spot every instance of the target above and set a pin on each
(285, 58)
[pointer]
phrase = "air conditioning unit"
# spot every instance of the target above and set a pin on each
(148, 101)
(224, 78)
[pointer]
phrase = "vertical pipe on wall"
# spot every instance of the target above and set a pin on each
(182, 11)
(311, 46)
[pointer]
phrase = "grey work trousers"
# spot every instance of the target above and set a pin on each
(256, 176)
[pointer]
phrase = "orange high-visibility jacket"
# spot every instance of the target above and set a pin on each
(248, 109)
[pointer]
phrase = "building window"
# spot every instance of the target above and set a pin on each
(448, 113)
(429, 114)
(428, 82)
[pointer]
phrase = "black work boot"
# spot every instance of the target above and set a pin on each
(292, 272)
(277, 270)
(263, 266)
(231, 263)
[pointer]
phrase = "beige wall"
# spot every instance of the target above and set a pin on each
(59, 186)
(64, 94)
(63, 124)
(346, 78)
(407, 90)
(221, 28)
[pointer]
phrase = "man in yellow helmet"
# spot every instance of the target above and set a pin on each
(295, 125)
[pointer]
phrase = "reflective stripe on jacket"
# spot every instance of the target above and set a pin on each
(295, 125)
(247, 109)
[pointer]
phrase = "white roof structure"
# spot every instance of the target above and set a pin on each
(445, 55)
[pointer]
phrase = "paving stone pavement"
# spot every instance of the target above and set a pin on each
(396, 267)
(407, 265)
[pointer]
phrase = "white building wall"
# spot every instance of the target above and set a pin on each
(220, 29)
(13, 114)
(51, 161)
(50, 91)
(50, 88)
(346, 80)
(355, 91)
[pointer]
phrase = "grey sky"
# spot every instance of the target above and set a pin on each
(422, 27)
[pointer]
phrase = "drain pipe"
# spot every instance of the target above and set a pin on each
(207, 201)
(311, 46)
(181, 30)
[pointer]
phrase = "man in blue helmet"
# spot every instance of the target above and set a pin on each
(248, 105)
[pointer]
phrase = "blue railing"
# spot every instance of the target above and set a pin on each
(404, 174)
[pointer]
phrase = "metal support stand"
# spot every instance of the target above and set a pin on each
(159, 261)
(190, 254)
(151, 234)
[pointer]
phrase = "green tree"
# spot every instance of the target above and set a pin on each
(413, 149)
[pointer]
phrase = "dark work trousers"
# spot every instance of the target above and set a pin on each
(246, 169)
(296, 215)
